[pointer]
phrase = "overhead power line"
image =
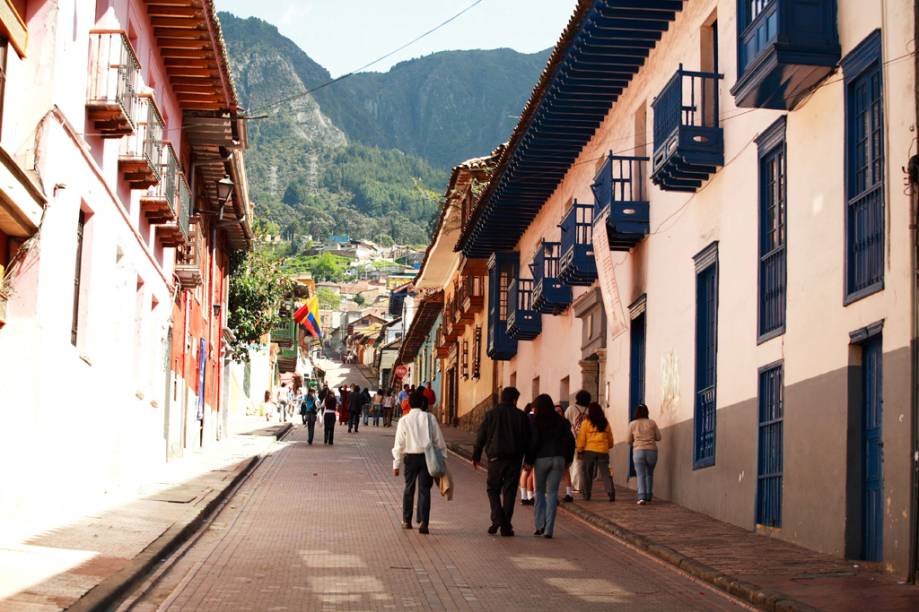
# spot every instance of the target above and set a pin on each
(367, 65)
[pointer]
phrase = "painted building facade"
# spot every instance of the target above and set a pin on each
(106, 152)
(727, 178)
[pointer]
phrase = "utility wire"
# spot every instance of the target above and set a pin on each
(369, 64)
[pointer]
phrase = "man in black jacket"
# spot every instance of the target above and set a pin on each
(505, 437)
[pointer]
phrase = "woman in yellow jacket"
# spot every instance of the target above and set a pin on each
(595, 438)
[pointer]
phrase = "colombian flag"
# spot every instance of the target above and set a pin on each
(308, 317)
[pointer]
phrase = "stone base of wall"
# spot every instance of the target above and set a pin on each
(473, 419)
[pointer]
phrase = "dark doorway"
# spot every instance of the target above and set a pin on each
(872, 450)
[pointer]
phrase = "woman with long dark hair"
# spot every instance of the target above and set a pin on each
(644, 435)
(595, 438)
(551, 452)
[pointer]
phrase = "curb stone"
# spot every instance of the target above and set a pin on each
(763, 598)
(109, 592)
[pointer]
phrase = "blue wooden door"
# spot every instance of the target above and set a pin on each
(873, 450)
(636, 373)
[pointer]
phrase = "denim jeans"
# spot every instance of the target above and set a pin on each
(599, 462)
(549, 471)
(645, 460)
(416, 471)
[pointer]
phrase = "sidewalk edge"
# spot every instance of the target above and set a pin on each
(112, 589)
(766, 599)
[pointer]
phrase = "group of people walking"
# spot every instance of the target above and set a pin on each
(543, 445)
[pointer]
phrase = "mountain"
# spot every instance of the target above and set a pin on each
(368, 155)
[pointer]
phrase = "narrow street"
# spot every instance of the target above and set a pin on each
(317, 527)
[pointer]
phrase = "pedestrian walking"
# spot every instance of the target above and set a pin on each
(575, 415)
(355, 408)
(376, 408)
(644, 434)
(429, 396)
(309, 410)
(389, 402)
(416, 432)
(528, 477)
(328, 417)
(267, 406)
(550, 452)
(594, 440)
(282, 399)
(345, 404)
(505, 438)
(566, 477)
(403, 394)
(365, 405)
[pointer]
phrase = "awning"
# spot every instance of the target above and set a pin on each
(425, 315)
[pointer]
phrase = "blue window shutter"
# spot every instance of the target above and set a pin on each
(772, 231)
(864, 169)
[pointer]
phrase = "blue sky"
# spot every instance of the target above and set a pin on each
(345, 34)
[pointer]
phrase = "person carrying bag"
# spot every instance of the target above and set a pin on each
(418, 442)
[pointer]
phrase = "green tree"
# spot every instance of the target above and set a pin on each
(359, 299)
(258, 287)
(328, 298)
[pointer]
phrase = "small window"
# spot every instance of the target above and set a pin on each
(77, 279)
(772, 229)
(864, 170)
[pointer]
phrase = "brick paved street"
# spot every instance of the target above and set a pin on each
(318, 528)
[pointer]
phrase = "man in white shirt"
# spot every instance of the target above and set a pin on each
(575, 415)
(414, 432)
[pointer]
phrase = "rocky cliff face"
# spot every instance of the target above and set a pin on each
(368, 155)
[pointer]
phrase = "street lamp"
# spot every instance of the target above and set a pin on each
(224, 189)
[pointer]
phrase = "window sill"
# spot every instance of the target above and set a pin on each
(770, 335)
(703, 463)
(851, 298)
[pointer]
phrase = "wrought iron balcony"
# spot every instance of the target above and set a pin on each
(619, 191)
(160, 202)
(472, 295)
(502, 269)
(550, 295)
(141, 158)
(111, 97)
(784, 49)
(189, 259)
(688, 140)
(174, 231)
(442, 344)
(523, 321)
(577, 265)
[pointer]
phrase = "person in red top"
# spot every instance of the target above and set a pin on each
(345, 403)
(429, 395)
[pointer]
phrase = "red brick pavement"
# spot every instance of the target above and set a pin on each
(317, 528)
(769, 564)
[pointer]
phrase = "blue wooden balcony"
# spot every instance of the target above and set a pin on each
(523, 321)
(577, 265)
(784, 49)
(619, 190)
(550, 295)
(688, 141)
(502, 269)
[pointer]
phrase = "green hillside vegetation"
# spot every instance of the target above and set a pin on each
(368, 156)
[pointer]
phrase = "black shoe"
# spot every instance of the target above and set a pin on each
(493, 530)
(568, 499)
(527, 502)
(538, 532)
(507, 533)
(424, 529)
(406, 525)
(548, 536)
(612, 497)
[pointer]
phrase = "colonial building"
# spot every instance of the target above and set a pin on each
(122, 191)
(453, 351)
(705, 200)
